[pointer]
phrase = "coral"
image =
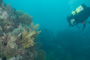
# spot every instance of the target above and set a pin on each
(17, 31)
(24, 18)
(13, 58)
(11, 43)
(41, 55)
(4, 15)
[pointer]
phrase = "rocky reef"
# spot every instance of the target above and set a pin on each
(17, 34)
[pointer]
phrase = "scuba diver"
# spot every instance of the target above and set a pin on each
(80, 15)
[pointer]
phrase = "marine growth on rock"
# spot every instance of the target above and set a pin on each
(16, 37)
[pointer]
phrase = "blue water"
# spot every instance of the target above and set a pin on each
(49, 14)
(67, 43)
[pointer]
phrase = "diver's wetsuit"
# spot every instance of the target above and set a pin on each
(82, 16)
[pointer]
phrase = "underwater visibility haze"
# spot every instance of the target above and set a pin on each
(49, 14)
(39, 30)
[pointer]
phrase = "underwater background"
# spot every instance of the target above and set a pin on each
(57, 39)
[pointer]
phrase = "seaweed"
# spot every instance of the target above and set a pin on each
(29, 36)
